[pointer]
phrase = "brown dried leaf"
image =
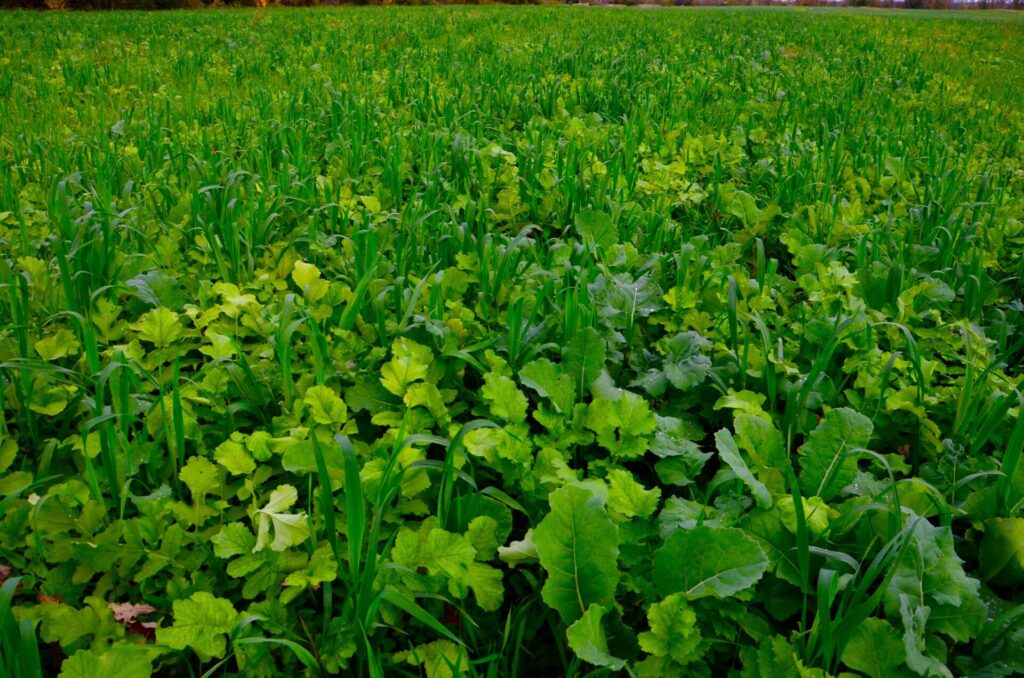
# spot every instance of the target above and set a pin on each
(127, 612)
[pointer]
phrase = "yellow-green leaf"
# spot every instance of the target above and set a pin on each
(58, 345)
(307, 277)
(159, 327)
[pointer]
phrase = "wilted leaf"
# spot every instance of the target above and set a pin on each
(127, 612)
(289, 528)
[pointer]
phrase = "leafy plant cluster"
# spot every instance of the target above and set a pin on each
(220, 4)
(457, 342)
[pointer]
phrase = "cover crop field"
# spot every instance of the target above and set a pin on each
(511, 341)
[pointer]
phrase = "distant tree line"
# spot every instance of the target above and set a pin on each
(187, 4)
(898, 4)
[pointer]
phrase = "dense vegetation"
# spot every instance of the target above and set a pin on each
(196, 4)
(497, 342)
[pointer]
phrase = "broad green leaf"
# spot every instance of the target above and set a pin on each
(321, 567)
(159, 327)
(447, 554)
(234, 539)
(680, 514)
(487, 586)
(623, 300)
(234, 301)
(674, 631)
(596, 228)
(775, 657)
(248, 564)
(624, 427)
(549, 381)
(67, 625)
(578, 546)
(220, 346)
(827, 461)
(123, 660)
(8, 451)
(674, 471)
(494, 444)
(307, 277)
(815, 511)
(61, 343)
(708, 561)
(201, 622)
(200, 475)
(628, 497)
(338, 646)
(762, 441)
(13, 482)
(875, 649)
(1002, 551)
(587, 639)
(744, 401)
(410, 362)
(583, 358)
(931, 573)
(915, 639)
(426, 395)
(233, 456)
(51, 400)
(451, 556)
(258, 443)
(410, 544)
(672, 441)
(325, 406)
(505, 399)
(371, 202)
(471, 509)
(371, 396)
(744, 207)
(158, 288)
(686, 366)
(730, 454)
(439, 659)
(483, 534)
(289, 528)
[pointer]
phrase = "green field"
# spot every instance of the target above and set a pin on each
(512, 341)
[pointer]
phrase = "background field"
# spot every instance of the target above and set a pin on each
(503, 341)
